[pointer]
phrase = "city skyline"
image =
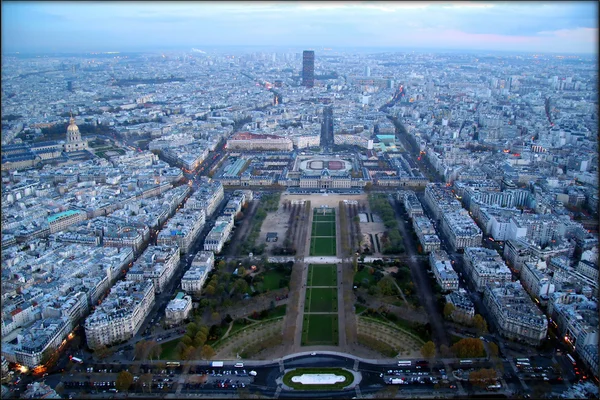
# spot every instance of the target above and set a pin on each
(127, 26)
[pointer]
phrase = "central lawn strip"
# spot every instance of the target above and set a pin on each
(321, 300)
(323, 229)
(287, 378)
(322, 275)
(320, 329)
(322, 246)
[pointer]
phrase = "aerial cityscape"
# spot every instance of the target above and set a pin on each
(299, 200)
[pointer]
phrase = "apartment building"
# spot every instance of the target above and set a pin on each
(121, 314)
(515, 314)
(182, 229)
(577, 320)
(45, 335)
(441, 265)
(485, 266)
(535, 279)
(158, 264)
(461, 230)
(64, 219)
(411, 203)
(428, 239)
(464, 309)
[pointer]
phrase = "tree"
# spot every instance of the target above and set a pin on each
(188, 353)
(199, 339)
(191, 329)
(387, 286)
(215, 316)
(140, 349)
(207, 352)
(480, 324)
(468, 348)
(483, 377)
(210, 290)
(124, 381)
(428, 350)
(155, 351)
(187, 340)
(448, 310)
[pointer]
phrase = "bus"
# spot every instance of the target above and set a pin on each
(570, 357)
(173, 363)
(216, 364)
(497, 386)
(466, 362)
(76, 359)
(404, 363)
(525, 360)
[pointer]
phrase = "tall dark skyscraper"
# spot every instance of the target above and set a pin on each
(308, 68)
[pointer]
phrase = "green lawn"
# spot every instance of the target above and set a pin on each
(323, 229)
(287, 378)
(321, 300)
(271, 279)
(322, 246)
(363, 275)
(168, 350)
(320, 329)
(323, 275)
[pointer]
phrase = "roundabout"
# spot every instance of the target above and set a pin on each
(320, 379)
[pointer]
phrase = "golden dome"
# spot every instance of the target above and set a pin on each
(72, 126)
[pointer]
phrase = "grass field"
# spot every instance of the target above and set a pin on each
(324, 329)
(364, 277)
(168, 350)
(323, 228)
(322, 275)
(321, 300)
(271, 280)
(322, 242)
(322, 246)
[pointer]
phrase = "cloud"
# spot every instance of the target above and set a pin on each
(518, 24)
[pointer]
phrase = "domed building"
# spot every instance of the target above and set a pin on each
(74, 142)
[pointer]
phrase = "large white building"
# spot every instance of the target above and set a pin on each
(516, 315)
(441, 265)
(178, 309)
(194, 278)
(485, 266)
(158, 264)
(250, 141)
(216, 238)
(121, 314)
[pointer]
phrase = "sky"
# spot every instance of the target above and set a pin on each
(540, 27)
